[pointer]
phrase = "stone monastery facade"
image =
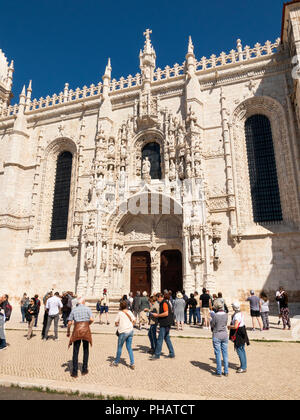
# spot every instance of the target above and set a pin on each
(174, 178)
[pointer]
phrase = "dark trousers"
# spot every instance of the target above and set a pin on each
(192, 313)
(152, 336)
(65, 316)
(76, 347)
(36, 319)
(45, 322)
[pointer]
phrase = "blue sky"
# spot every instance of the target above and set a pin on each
(58, 41)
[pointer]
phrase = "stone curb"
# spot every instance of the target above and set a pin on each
(65, 387)
(257, 338)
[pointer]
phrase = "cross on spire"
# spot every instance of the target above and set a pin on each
(147, 34)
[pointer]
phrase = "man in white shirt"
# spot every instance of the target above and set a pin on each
(53, 306)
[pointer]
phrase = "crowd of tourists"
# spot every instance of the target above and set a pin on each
(158, 313)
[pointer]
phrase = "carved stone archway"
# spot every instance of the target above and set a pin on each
(59, 145)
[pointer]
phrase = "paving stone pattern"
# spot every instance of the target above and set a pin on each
(274, 370)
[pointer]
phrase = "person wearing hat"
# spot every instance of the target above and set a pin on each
(104, 302)
(255, 309)
(220, 337)
(179, 308)
(238, 335)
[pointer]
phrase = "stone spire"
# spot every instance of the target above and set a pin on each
(105, 119)
(29, 92)
(106, 79)
(194, 100)
(20, 124)
(6, 79)
(147, 62)
(191, 59)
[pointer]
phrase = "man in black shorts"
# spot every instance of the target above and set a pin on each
(255, 309)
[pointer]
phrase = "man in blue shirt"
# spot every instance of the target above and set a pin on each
(82, 317)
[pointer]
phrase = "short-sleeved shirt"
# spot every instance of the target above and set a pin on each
(80, 313)
(125, 325)
(254, 303)
(54, 305)
(197, 298)
(239, 317)
(264, 306)
(205, 300)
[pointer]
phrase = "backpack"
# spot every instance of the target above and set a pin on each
(7, 311)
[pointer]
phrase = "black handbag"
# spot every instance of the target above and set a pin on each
(28, 317)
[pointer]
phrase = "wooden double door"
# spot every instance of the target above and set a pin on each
(170, 271)
(141, 272)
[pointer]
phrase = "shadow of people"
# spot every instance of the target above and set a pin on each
(111, 359)
(203, 366)
(211, 368)
(142, 349)
(233, 366)
(69, 366)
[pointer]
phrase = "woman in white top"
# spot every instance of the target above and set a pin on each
(125, 321)
(238, 335)
(264, 310)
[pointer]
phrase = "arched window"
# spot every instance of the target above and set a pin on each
(152, 152)
(61, 199)
(262, 170)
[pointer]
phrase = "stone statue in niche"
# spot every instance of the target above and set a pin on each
(180, 138)
(181, 168)
(216, 250)
(111, 148)
(171, 140)
(122, 176)
(100, 186)
(146, 168)
(198, 169)
(116, 255)
(195, 246)
(104, 256)
(188, 171)
(123, 148)
(172, 172)
(89, 256)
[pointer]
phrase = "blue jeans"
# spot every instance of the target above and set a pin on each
(164, 335)
(242, 356)
(23, 310)
(152, 336)
(198, 315)
(221, 347)
(192, 313)
(125, 337)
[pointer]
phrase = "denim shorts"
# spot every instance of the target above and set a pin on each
(103, 309)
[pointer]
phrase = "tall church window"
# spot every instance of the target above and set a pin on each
(61, 199)
(262, 170)
(152, 152)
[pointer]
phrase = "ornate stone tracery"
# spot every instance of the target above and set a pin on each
(274, 111)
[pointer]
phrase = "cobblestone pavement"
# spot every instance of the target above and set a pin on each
(273, 368)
